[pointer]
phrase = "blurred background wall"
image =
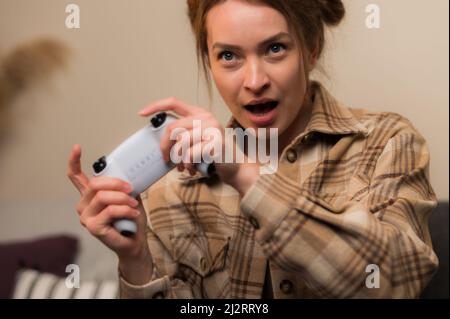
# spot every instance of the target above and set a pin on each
(128, 53)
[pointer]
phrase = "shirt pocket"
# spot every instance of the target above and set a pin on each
(204, 253)
(335, 201)
(337, 198)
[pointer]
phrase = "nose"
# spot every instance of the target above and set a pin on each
(256, 78)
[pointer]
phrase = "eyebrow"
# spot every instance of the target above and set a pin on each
(273, 38)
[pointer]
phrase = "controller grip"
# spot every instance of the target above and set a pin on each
(128, 227)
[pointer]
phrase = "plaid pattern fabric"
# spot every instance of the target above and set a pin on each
(352, 191)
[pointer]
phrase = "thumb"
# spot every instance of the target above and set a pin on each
(74, 172)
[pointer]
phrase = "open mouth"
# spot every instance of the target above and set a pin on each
(261, 109)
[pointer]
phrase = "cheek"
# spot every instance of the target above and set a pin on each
(292, 83)
(292, 77)
(228, 85)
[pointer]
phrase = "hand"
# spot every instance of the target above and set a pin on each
(239, 175)
(104, 200)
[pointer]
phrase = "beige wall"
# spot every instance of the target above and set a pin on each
(128, 53)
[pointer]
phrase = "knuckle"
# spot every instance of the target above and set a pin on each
(125, 197)
(124, 211)
(90, 226)
(116, 183)
(112, 211)
(79, 208)
(108, 211)
(92, 184)
(127, 211)
(83, 221)
(100, 197)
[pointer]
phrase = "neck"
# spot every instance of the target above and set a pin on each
(297, 126)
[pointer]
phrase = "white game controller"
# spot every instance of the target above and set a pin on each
(138, 161)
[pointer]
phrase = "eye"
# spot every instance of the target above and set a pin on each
(226, 56)
(277, 48)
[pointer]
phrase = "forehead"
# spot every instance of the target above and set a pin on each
(238, 21)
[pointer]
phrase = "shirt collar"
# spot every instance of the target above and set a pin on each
(329, 116)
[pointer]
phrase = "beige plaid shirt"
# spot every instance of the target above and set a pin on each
(345, 216)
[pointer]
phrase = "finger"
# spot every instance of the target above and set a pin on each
(175, 151)
(105, 198)
(193, 157)
(182, 130)
(111, 213)
(187, 129)
(141, 205)
(103, 183)
(74, 172)
(205, 145)
(115, 237)
(170, 104)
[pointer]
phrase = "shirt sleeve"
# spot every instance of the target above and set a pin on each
(341, 249)
(157, 288)
(160, 286)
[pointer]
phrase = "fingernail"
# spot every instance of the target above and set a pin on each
(137, 212)
(127, 188)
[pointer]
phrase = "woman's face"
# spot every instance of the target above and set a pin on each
(254, 56)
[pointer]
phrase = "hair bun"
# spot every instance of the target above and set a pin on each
(332, 11)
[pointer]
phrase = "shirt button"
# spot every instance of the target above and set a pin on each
(291, 155)
(308, 138)
(286, 286)
(254, 222)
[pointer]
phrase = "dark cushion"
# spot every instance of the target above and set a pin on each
(438, 286)
(49, 254)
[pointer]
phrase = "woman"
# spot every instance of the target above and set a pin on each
(345, 214)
